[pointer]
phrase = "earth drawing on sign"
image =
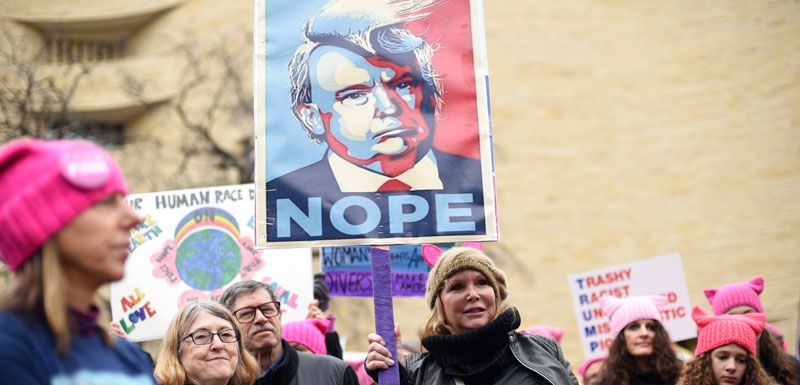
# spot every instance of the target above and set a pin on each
(207, 253)
(208, 259)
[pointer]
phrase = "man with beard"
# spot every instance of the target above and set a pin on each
(253, 304)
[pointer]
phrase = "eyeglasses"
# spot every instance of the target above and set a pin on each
(204, 337)
(268, 310)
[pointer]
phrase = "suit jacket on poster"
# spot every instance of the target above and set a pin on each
(458, 175)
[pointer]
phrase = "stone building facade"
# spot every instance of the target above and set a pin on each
(622, 130)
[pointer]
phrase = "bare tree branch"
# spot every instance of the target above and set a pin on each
(213, 104)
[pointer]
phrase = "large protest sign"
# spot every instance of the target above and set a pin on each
(191, 245)
(659, 275)
(348, 270)
(366, 134)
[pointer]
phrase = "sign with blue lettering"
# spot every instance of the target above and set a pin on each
(372, 123)
(658, 275)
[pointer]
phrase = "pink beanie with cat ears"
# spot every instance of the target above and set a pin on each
(556, 333)
(44, 185)
(736, 294)
(721, 330)
(309, 333)
(622, 311)
(586, 364)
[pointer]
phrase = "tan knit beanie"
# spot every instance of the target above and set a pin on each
(464, 258)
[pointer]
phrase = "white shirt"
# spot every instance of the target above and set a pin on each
(351, 178)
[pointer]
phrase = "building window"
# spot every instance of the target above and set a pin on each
(62, 49)
(109, 134)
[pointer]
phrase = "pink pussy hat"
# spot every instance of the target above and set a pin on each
(622, 311)
(555, 333)
(44, 185)
(586, 364)
(309, 333)
(721, 330)
(736, 294)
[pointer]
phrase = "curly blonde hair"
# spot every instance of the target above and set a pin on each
(699, 372)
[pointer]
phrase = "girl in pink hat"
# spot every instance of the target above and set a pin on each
(726, 349)
(64, 232)
(640, 353)
(744, 298)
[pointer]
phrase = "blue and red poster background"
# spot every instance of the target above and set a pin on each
(300, 200)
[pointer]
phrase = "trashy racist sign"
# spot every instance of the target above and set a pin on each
(372, 123)
(191, 245)
(659, 275)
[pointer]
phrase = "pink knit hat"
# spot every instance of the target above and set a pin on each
(621, 312)
(44, 185)
(586, 364)
(309, 333)
(720, 330)
(547, 331)
(736, 294)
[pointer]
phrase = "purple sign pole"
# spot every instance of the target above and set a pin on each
(384, 311)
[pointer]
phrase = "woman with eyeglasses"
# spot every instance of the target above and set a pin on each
(203, 346)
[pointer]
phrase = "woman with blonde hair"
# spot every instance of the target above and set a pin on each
(203, 346)
(470, 335)
(64, 232)
(726, 351)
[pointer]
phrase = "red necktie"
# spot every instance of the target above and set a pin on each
(393, 185)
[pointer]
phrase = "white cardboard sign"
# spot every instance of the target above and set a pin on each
(191, 245)
(658, 275)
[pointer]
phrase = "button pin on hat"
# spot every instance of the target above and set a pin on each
(86, 170)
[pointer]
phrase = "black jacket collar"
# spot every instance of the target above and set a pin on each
(284, 372)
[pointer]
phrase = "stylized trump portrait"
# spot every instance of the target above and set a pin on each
(372, 125)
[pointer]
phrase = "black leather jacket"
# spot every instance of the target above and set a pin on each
(537, 354)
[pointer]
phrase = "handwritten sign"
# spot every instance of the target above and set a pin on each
(190, 246)
(136, 309)
(659, 275)
(348, 270)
